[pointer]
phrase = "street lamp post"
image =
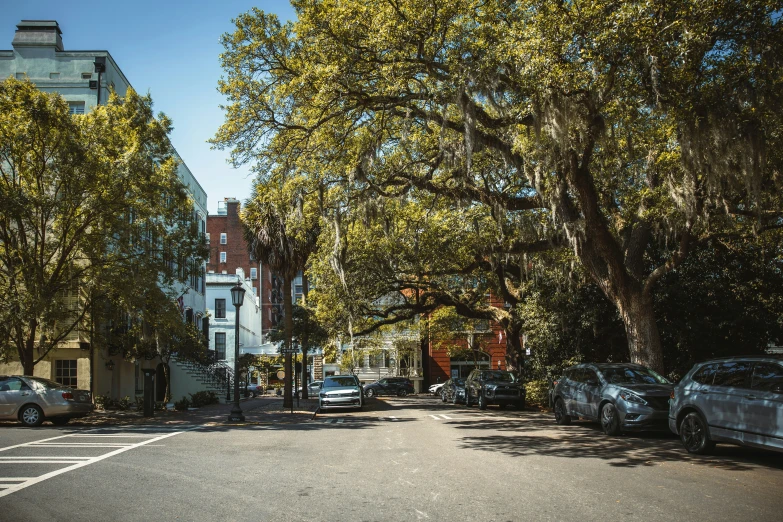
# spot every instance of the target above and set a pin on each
(237, 297)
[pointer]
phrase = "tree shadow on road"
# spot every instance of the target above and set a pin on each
(536, 434)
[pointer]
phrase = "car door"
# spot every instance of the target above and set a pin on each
(383, 387)
(567, 388)
(590, 394)
(471, 385)
(724, 404)
(764, 402)
(13, 393)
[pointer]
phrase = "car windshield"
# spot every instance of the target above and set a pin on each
(632, 375)
(46, 383)
(458, 382)
(499, 376)
(337, 382)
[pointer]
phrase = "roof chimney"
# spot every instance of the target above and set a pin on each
(38, 33)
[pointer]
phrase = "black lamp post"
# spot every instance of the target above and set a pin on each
(237, 297)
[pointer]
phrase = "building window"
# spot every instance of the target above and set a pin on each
(298, 293)
(222, 257)
(255, 291)
(207, 237)
(220, 345)
(223, 238)
(220, 308)
(76, 107)
(65, 372)
(21, 76)
(54, 76)
(86, 76)
(254, 273)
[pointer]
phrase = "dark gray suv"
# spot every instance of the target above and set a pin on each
(494, 387)
(737, 400)
(622, 397)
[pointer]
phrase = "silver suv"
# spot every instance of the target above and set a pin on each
(622, 397)
(737, 400)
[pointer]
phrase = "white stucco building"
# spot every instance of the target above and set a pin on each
(84, 79)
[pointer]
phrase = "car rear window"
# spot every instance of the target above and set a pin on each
(336, 382)
(768, 377)
(733, 374)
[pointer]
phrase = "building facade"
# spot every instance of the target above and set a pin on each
(85, 79)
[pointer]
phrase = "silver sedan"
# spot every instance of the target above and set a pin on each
(31, 400)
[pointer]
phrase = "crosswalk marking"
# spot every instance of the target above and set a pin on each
(10, 485)
(440, 417)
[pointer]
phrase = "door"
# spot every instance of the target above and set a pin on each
(764, 402)
(13, 393)
(724, 401)
(588, 394)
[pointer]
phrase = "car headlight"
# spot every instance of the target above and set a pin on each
(355, 393)
(632, 397)
(322, 395)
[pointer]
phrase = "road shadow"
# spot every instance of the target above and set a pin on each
(537, 434)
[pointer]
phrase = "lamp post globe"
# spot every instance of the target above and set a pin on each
(237, 297)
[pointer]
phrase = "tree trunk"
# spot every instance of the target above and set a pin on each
(288, 400)
(27, 355)
(644, 341)
(514, 355)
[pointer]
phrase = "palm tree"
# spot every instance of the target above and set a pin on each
(281, 234)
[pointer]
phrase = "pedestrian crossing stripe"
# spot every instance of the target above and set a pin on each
(440, 417)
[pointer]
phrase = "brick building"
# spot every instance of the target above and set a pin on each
(228, 251)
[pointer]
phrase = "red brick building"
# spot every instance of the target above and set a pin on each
(228, 251)
(439, 366)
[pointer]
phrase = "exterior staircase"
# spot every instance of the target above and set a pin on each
(214, 375)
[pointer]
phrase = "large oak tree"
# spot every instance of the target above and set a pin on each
(617, 127)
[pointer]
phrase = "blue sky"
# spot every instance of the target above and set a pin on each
(170, 49)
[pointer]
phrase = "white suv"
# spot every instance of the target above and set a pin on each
(737, 400)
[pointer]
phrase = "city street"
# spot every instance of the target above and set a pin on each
(399, 459)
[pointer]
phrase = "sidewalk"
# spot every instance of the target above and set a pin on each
(259, 410)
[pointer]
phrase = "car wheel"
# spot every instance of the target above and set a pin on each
(694, 434)
(60, 421)
(370, 393)
(561, 417)
(443, 396)
(454, 398)
(402, 393)
(31, 415)
(482, 402)
(610, 419)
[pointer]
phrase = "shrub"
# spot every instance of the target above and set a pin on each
(101, 401)
(537, 392)
(182, 404)
(203, 398)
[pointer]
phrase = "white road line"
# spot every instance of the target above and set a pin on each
(101, 436)
(77, 465)
(81, 444)
(340, 421)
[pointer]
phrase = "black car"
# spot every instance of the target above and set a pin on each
(622, 397)
(453, 391)
(494, 387)
(399, 386)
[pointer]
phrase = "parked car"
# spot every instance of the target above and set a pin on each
(738, 400)
(435, 388)
(254, 390)
(312, 390)
(340, 391)
(622, 397)
(400, 386)
(494, 387)
(32, 400)
(453, 390)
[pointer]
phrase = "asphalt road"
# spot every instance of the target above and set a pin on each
(399, 459)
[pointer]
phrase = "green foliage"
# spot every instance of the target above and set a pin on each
(105, 402)
(445, 144)
(93, 214)
(182, 405)
(203, 398)
(537, 392)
